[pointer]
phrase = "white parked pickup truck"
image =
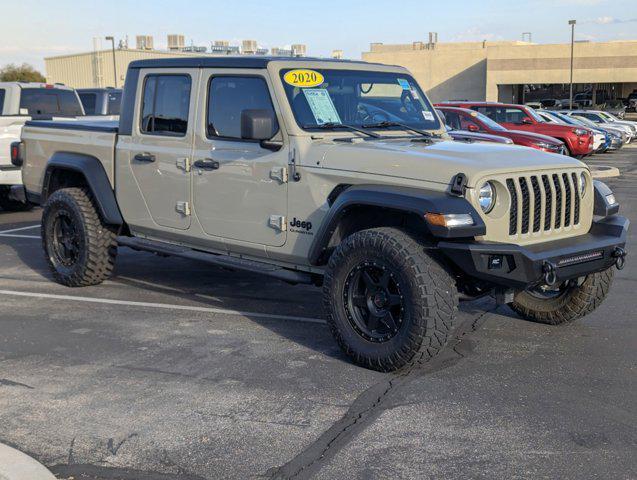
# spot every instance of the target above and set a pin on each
(20, 102)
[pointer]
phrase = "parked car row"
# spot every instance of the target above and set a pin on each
(618, 106)
(20, 102)
(577, 133)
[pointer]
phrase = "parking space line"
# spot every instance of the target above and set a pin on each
(2, 232)
(189, 308)
(10, 235)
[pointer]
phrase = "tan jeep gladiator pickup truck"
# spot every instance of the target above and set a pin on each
(336, 173)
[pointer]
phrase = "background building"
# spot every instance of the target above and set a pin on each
(513, 71)
(95, 68)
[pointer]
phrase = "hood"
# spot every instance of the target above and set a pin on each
(440, 161)
(536, 137)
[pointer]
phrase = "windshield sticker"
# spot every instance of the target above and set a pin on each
(404, 83)
(303, 78)
(322, 106)
(428, 115)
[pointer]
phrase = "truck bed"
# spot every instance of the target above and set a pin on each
(109, 126)
(45, 138)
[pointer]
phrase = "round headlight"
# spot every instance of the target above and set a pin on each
(486, 197)
(582, 184)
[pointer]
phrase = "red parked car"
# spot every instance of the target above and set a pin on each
(578, 140)
(472, 121)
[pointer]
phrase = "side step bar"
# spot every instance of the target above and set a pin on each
(225, 261)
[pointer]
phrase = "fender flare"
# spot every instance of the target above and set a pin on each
(96, 178)
(404, 199)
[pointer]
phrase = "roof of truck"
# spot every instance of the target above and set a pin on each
(231, 62)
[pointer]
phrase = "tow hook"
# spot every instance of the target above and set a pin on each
(620, 257)
(550, 273)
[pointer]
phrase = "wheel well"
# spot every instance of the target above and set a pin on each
(63, 178)
(363, 217)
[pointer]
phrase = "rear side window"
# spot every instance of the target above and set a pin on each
(502, 114)
(50, 101)
(113, 102)
(1, 100)
(89, 102)
(166, 102)
(228, 97)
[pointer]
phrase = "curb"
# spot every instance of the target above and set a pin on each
(604, 172)
(15, 465)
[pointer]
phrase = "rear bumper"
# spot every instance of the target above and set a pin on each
(520, 267)
(10, 175)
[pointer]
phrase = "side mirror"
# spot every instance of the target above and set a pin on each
(472, 128)
(258, 124)
(527, 121)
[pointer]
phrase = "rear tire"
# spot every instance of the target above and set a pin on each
(9, 205)
(574, 302)
(80, 248)
(389, 303)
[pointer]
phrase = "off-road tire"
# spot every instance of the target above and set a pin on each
(576, 302)
(96, 241)
(8, 205)
(430, 299)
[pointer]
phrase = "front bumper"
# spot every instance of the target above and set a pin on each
(520, 267)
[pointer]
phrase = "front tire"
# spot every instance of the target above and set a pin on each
(570, 302)
(80, 249)
(389, 303)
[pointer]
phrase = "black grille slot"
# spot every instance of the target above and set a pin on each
(537, 204)
(558, 201)
(576, 195)
(549, 202)
(567, 197)
(513, 213)
(524, 189)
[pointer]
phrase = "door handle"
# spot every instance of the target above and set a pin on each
(207, 164)
(145, 157)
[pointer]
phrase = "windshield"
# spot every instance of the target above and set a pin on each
(585, 121)
(608, 116)
(357, 98)
(559, 118)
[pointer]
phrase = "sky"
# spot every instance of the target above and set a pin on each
(33, 29)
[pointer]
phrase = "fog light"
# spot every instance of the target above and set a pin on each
(610, 199)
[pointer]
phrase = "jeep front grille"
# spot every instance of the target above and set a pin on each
(543, 203)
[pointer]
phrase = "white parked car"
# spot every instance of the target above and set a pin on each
(20, 102)
(603, 118)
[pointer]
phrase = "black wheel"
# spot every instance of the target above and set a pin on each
(9, 205)
(388, 302)
(566, 302)
(79, 247)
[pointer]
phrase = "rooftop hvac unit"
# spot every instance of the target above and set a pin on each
(144, 42)
(249, 47)
(176, 42)
(299, 50)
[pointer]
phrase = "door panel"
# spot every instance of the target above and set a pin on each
(162, 147)
(236, 199)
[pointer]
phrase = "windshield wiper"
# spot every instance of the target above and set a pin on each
(335, 126)
(387, 124)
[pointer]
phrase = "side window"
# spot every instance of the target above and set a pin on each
(113, 103)
(166, 103)
(228, 97)
(453, 120)
(491, 112)
(1, 99)
(514, 115)
(89, 102)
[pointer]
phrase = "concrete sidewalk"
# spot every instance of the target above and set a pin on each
(15, 465)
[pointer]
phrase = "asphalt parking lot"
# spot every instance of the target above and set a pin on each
(181, 371)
